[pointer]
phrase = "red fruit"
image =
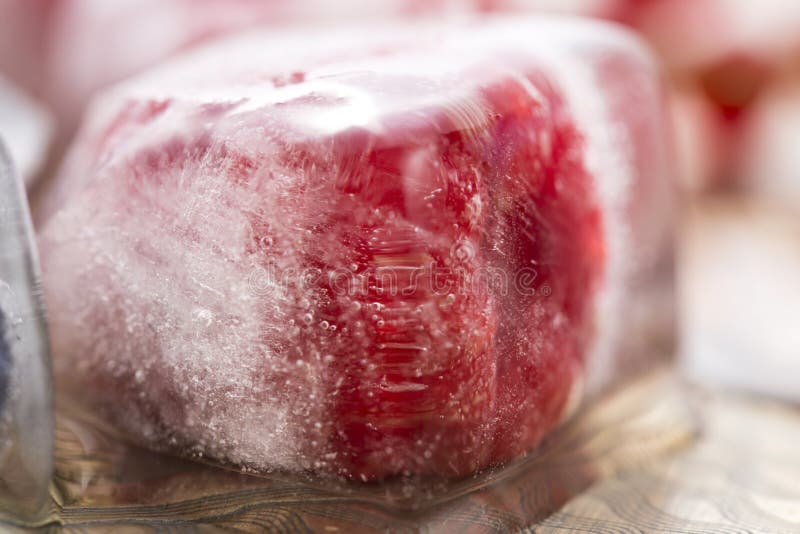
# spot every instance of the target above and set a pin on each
(384, 265)
(427, 384)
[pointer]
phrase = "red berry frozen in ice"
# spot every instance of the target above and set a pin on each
(367, 254)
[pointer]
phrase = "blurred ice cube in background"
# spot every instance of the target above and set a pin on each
(726, 60)
(733, 68)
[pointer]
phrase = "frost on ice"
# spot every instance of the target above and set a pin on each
(366, 254)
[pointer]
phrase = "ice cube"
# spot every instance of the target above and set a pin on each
(725, 56)
(366, 252)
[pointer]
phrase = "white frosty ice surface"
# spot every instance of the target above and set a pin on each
(159, 303)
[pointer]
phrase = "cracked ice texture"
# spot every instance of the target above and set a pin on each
(273, 251)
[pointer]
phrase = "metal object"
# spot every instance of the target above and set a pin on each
(26, 424)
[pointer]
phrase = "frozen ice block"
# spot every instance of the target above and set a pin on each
(402, 250)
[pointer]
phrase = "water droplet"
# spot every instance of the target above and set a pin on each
(324, 325)
(308, 318)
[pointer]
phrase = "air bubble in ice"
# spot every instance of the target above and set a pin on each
(203, 316)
